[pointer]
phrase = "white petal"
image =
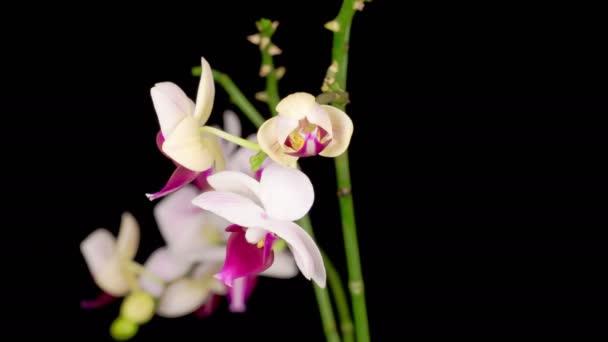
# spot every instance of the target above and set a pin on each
(239, 160)
(232, 124)
(186, 146)
(234, 208)
(213, 254)
(127, 242)
(318, 116)
(98, 249)
(342, 131)
(283, 267)
(182, 297)
(236, 182)
(212, 143)
(164, 265)
(296, 105)
(205, 95)
(268, 141)
(171, 105)
(305, 251)
(176, 215)
(286, 193)
(285, 125)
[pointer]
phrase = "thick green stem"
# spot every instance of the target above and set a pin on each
(337, 290)
(237, 97)
(325, 308)
(340, 57)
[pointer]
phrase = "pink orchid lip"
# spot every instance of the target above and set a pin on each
(243, 258)
(240, 292)
(312, 145)
(181, 176)
(102, 299)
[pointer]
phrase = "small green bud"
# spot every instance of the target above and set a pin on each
(197, 71)
(138, 307)
(122, 329)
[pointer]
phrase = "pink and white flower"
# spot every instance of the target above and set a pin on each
(194, 153)
(261, 212)
(304, 128)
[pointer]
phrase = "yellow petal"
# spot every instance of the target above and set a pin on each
(128, 237)
(296, 105)
(186, 146)
(342, 131)
(205, 95)
(269, 143)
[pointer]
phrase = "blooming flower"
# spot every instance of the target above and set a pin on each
(180, 139)
(262, 212)
(108, 259)
(304, 128)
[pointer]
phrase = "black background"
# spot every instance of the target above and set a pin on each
(477, 161)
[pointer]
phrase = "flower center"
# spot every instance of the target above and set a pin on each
(260, 243)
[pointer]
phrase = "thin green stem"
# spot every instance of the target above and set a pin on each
(340, 57)
(272, 86)
(237, 97)
(232, 138)
(337, 290)
(325, 308)
(267, 28)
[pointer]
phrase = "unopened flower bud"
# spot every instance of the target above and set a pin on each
(122, 329)
(138, 307)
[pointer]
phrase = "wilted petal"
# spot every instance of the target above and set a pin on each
(171, 105)
(342, 131)
(186, 146)
(232, 207)
(165, 266)
(205, 95)
(236, 182)
(243, 258)
(296, 105)
(240, 291)
(180, 178)
(286, 193)
(283, 267)
(182, 297)
(269, 143)
(304, 249)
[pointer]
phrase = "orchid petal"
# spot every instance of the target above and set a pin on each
(236, 182)
(285, 125)
(235, 208)
(171, 105)
(286, 193)
(128, 237)
(205, 95)
(100, 254)
(182, 297)
(269, 143)
(209, 307)
(232, 124)
(342, 131)
(318, 116)
(296, 105)
(186, 146)
(243, 258)
(239, 160)
(164, 265)
(213, 145)
(305, 251)
(283, 267)
(180, 177)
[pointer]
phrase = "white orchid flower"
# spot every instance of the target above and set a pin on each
(194, 153)
(261, 212)
(304, 128)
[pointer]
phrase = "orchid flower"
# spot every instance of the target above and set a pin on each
(109, 258)
(194, 153)
(262, 212)
(304, 128)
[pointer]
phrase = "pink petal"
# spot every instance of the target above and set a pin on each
(243, 258)
(240, 292)
(102, 300)
(200, 182)
(180, 177)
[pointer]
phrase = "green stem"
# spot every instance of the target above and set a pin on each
(340, 56)
(272, 82)
(325, 308)
(237, 97)
(232, 138)
(337, 290)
